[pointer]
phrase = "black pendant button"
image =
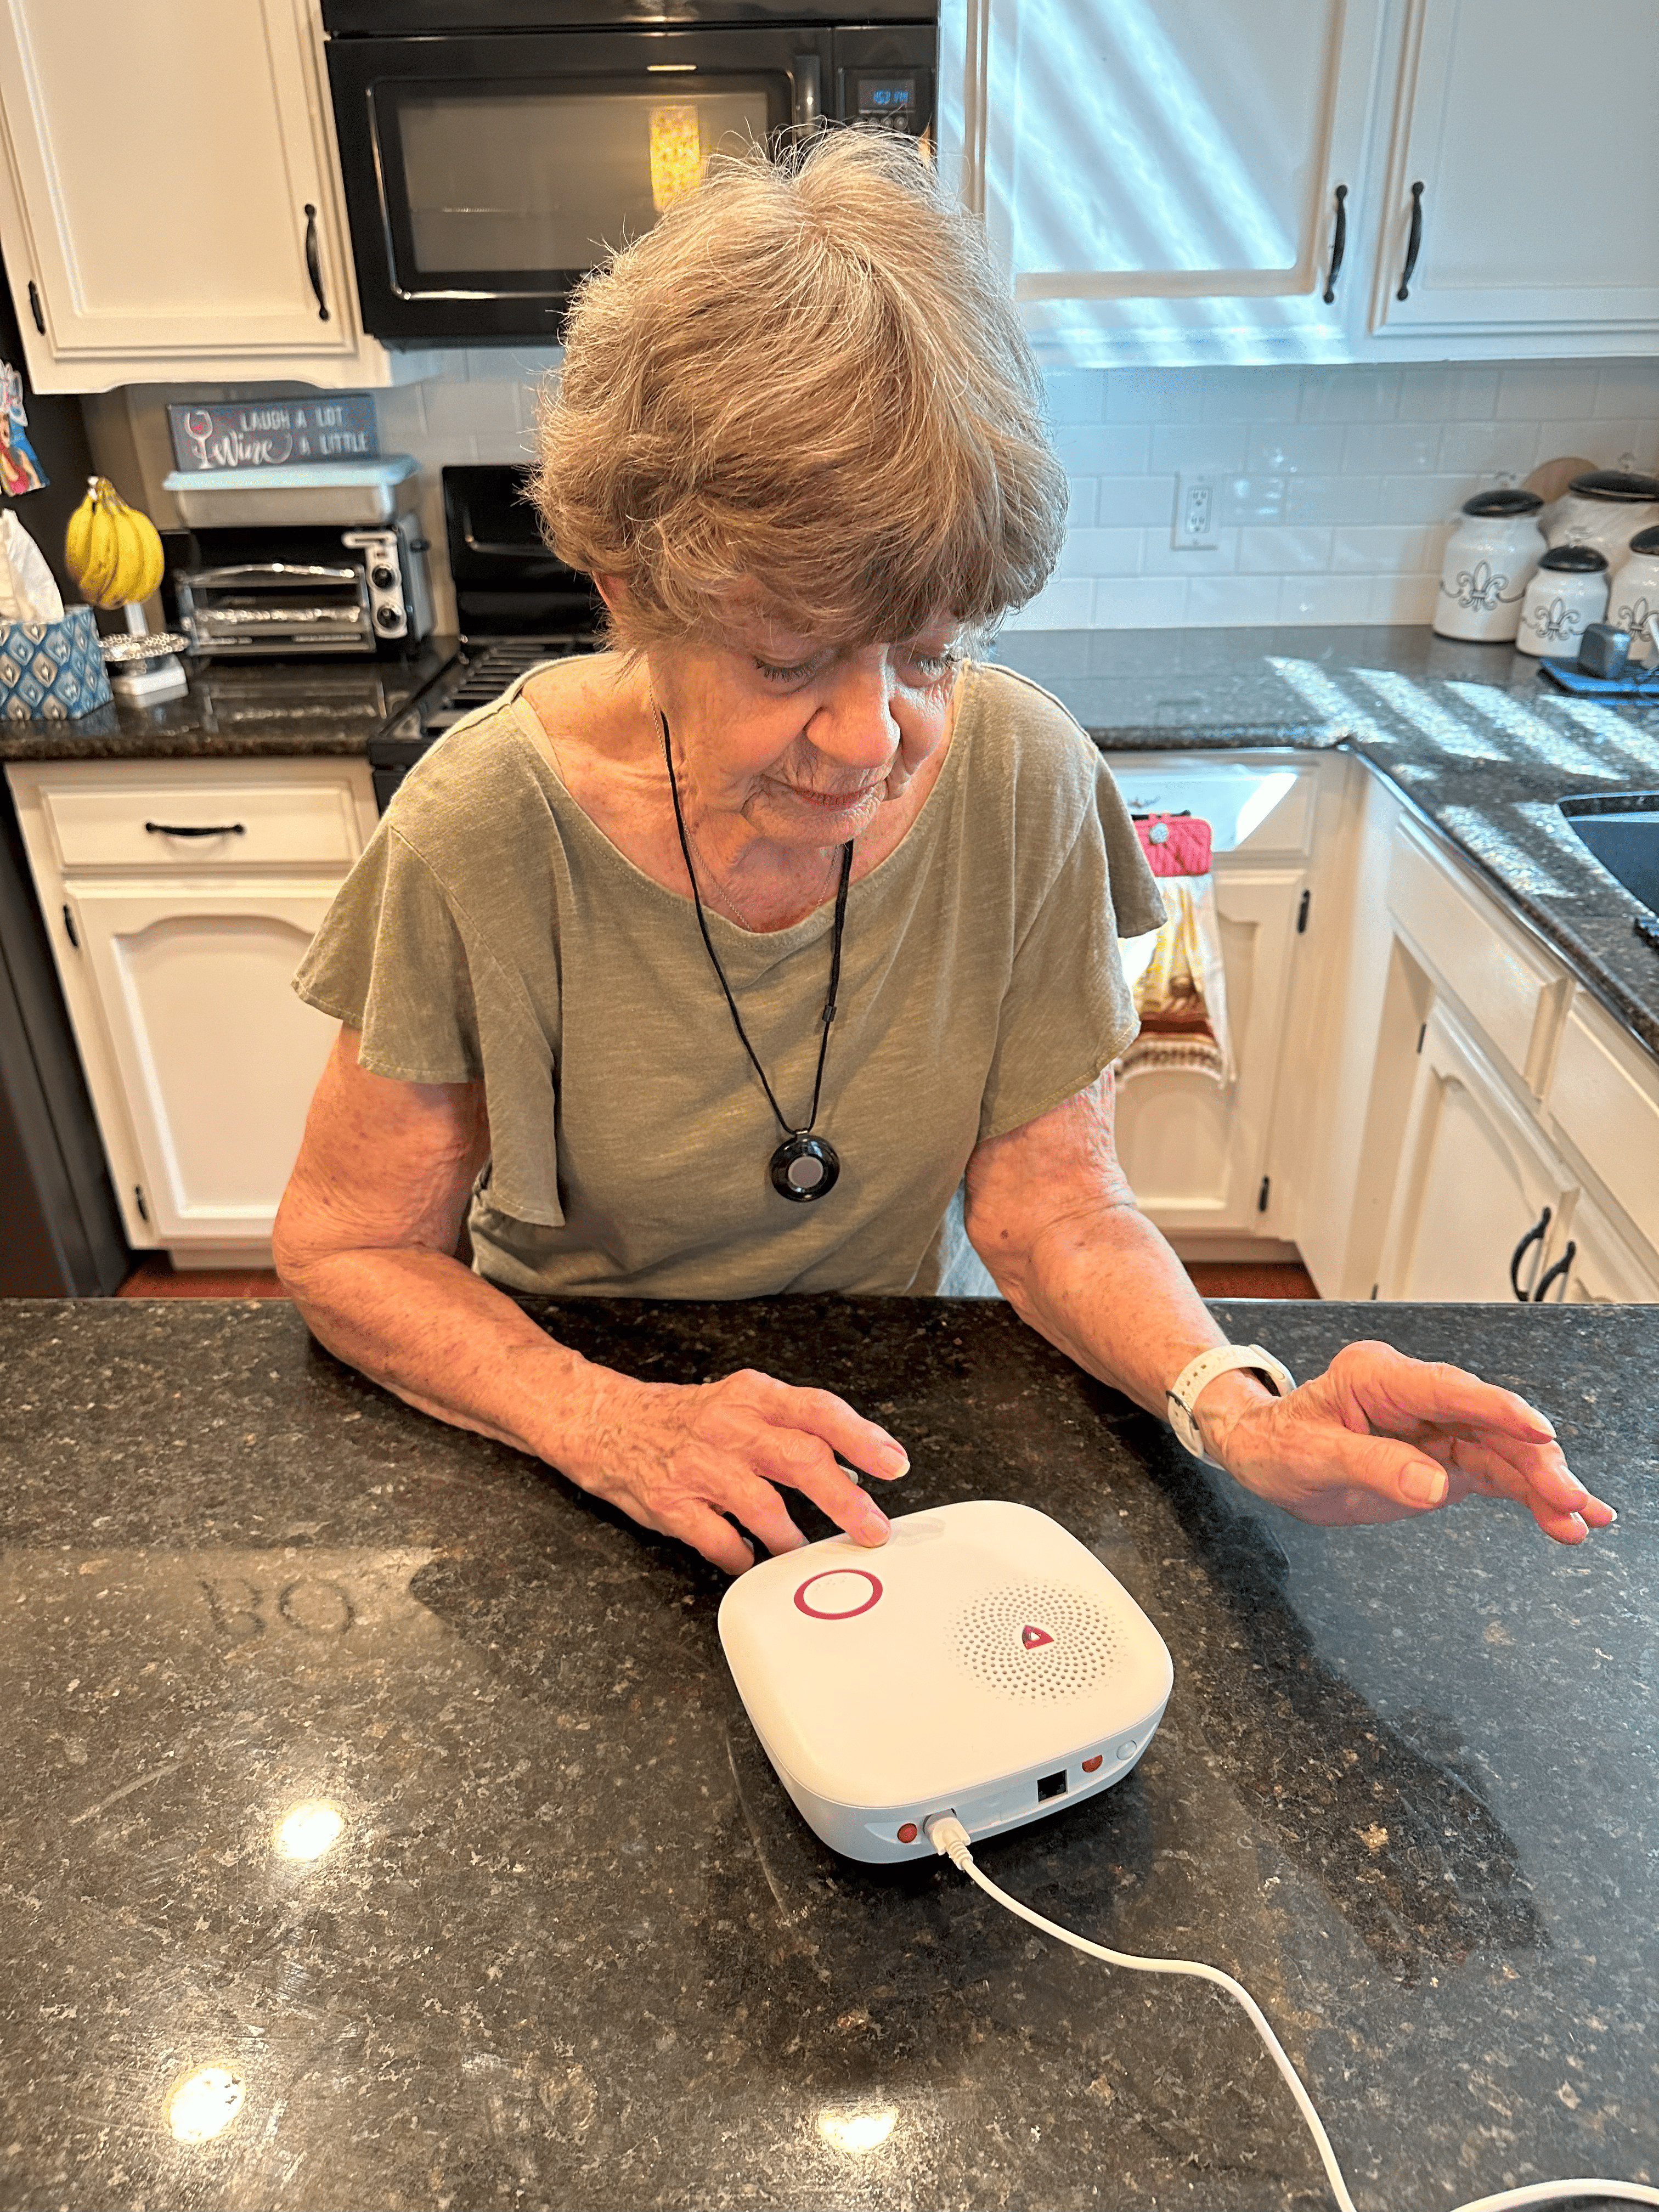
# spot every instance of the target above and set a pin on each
(805, 1168)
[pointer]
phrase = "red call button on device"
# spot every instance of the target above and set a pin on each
(840, 1594)
(906, 1834)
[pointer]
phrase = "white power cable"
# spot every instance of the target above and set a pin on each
(951, 1840)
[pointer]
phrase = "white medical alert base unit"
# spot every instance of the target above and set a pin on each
(980, 1662)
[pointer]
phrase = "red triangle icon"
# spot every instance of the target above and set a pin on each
(1034, 1639)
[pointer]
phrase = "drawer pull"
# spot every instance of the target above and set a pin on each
(194, 830)
(1414, 244)
(1558, 1273)
(1534, 1235)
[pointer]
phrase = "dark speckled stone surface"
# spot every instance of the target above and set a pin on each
(1471, 733)
(242, 709)
(573, 1946)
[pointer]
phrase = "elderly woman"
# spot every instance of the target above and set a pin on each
(775, 948)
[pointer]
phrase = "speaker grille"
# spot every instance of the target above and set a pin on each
(995, 1642)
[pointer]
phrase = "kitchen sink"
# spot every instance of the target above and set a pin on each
(1623, 833)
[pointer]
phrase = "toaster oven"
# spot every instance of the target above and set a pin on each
(246, 592)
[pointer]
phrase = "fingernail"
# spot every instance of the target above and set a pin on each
(1546, 1428)
(1613, 1514)
(894, 1460)
(877, 1528)
(1423, 1486)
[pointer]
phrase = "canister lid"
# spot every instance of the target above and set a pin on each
(1615, 484)
(1510, 501)
(1646, 541)
(1581, 560)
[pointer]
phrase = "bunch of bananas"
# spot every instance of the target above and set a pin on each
(113, 552)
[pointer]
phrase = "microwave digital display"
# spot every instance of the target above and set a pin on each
(890, 100)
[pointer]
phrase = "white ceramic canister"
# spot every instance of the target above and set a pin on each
(1569, 591)
(1635, 594)
(1489, 559)
(1605, 507)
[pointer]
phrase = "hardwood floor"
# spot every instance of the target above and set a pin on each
(155, 1277)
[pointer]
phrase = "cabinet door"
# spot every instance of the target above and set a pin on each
(1539, 187)
(216, 1058)
(1196, 1153)
(1176, 152)
(1474, 1178)
(164, 155)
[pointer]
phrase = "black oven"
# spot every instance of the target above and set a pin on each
(493, 149)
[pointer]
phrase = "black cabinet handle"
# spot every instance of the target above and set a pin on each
(36, 310)
(69, 925)
(1338, 244)
(1534, 1235)
(1550, 1275)
(195, 830)
(1414, 244)
(315, 262)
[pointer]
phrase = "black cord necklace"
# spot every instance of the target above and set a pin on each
(803, 1167)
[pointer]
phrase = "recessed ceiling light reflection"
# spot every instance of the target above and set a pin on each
(305, 1830)
(205, 2103)
(857, 2129)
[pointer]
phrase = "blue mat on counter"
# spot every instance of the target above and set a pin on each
(1571, 677)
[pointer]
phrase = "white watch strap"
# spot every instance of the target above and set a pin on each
(1198, 1373)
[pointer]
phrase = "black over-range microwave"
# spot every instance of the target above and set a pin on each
(493, 149)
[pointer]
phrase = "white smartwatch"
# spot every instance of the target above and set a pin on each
(1184, 1391)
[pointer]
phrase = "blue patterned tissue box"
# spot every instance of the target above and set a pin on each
(50, 671)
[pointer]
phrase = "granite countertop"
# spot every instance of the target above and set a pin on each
(1473, 734)
(574, 1948)
(243, 709)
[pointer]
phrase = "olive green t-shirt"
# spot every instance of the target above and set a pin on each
(492, 931)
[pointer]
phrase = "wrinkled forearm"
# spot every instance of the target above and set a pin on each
(1105, 1288)
(428, 1329)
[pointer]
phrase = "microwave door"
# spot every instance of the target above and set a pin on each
(498, 183)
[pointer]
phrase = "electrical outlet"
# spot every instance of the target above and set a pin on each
(1194, 518)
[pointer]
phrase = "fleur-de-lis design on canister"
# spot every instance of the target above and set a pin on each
(1480, 587)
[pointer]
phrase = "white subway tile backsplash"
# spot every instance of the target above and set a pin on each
(1333, 499)
(1164, 559)
(1335, 486)
(1148, 502)
(1225, 602)
(1154, 395)
(1103, 553)
(1385, 548)
(1076, 395)
(1141, 603)
(460, 410)
(1295, 448)
(1215, 445)
(1104, 449)
(1388, 449)
(1324, 599)
(1251, 395)
(1283, 548)
(1488, 449)
(1422, 499)
(1349, 394)
(1448, 391)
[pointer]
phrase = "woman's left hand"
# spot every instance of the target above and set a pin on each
(1378, 1436)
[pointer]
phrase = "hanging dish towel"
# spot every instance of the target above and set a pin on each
(1176, 974)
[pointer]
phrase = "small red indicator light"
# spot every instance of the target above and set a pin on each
(908, 1833)
(1093, 1765)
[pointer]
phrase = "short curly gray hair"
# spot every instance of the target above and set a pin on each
(806, 384)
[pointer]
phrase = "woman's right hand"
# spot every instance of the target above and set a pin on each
(679, 1458)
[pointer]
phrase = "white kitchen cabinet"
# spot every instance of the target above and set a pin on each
(216, 1057)
(1198, 1154)
(1536, 211)
(170, 204)
(181, 898)
(1159, 178)
(1475, 1179)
